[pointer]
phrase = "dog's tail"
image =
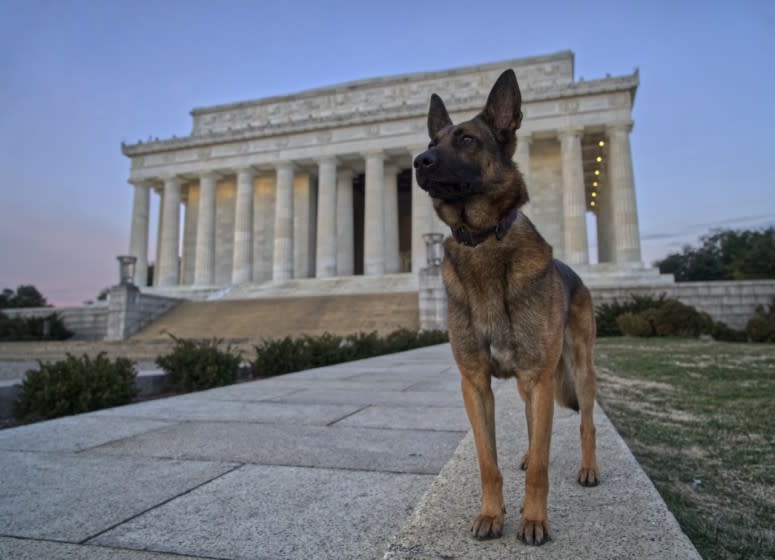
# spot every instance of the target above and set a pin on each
(564, 382)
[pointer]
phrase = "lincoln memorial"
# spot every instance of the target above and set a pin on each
(319, 183)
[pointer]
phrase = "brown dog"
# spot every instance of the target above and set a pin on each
(514, 311)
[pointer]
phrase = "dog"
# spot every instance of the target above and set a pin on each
(513, 310)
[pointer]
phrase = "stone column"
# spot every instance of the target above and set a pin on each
(326, 236)
(242, 266)
(138, 238)
(374, 216)
(263, 229)
(522, 159)
(424, 219)
(188, 260)
(159, 229)
(626, 242)
(573, 198)
(392, 259)
(167, 267)
(304, 226)
(345, 236)
(204, 267)
(282, 268)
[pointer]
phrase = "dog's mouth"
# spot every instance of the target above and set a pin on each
(449, 190)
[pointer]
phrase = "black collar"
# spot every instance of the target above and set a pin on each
(471, 239)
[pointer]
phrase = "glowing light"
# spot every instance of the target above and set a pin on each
(594, 194)
(601, 143)
(594, 183)
(592, 203)
(598, 159)
(597, 172)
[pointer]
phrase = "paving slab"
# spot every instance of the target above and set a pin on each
(74, 433)
(373, 396)
(72, 497)
(624, 517)
(27, 549)
(409, 418)
(419, 451)
(261, 512)
(207, 409)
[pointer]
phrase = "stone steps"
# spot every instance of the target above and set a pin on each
(259, 318)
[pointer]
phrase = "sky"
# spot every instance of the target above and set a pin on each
(79, 77)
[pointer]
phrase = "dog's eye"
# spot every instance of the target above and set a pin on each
(467, 140)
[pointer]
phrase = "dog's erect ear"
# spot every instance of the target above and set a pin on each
(438, 117)
(503, 110)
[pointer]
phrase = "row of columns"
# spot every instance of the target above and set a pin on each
(334, 250)
(334, 246)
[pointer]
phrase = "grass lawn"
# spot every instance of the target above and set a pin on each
(700, 418)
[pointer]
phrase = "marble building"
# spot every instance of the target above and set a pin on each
(319, 183)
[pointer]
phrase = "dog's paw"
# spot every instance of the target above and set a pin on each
(523, 462)
(589, 476)
(487, 526)
(534, 533)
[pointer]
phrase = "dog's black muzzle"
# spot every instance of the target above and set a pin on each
(432, 179)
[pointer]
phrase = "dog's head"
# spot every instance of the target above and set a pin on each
(474, 157)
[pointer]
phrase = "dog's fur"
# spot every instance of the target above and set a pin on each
(514, 311)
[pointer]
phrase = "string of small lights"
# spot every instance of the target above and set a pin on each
(596, 181)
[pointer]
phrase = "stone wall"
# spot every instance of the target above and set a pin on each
(731, 302)
(130, 311)
(88, 322)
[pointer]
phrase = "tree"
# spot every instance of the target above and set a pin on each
(725, 255)
(25, 296)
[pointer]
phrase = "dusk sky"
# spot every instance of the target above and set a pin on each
(79, 77)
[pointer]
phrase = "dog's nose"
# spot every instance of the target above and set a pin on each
(425, 160)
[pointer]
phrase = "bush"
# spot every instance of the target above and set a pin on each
(75, 385)
(761, 327)
(724, 333)
(275, 357)
(195, 365)
(51, 327)
(607, 313)
(635, 325)
(673, 318)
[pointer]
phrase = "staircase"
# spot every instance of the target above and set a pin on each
(273, 317)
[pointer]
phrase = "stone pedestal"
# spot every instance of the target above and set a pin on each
(433, 300)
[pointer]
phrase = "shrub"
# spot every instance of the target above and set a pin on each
(673, 318)
(606, 313)
(724, 333)
(195, 365)
(275, 357)
(634, 325)
(75, 385)
(761, 327)
(50, 327)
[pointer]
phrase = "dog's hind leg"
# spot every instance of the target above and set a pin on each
(581, 325)
(480, 406)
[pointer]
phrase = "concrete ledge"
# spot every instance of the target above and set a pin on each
(624, 517)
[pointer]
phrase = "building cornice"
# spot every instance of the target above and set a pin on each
(357, 116)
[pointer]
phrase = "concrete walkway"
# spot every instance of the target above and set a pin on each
(339, 462)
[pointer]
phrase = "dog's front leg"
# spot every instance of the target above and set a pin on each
(533, 526)
(480, 406)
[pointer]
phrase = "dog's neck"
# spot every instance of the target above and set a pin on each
(465, 236)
